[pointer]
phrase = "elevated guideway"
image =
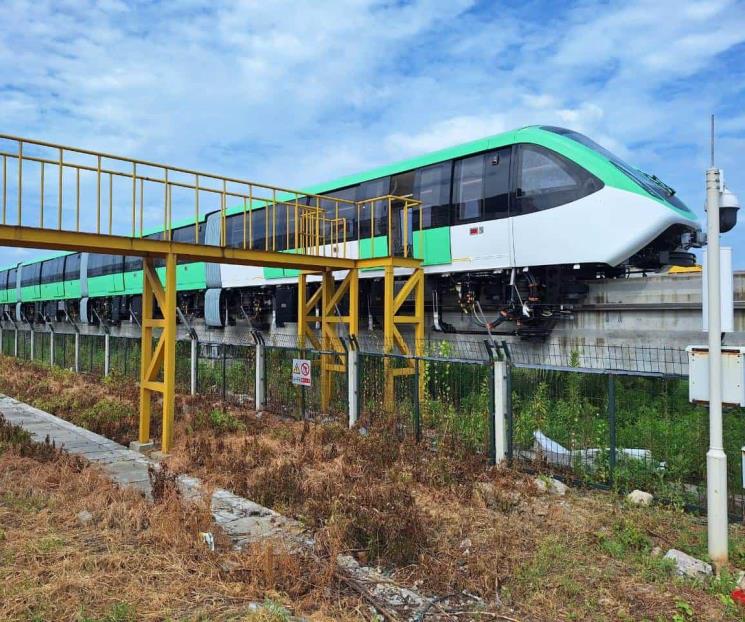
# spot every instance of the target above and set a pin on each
(65, 198)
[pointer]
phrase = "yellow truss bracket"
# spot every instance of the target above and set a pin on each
(164, 356)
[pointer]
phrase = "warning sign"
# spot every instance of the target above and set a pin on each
(301, 372)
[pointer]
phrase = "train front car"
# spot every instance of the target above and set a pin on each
(578, 212)
(641, 222)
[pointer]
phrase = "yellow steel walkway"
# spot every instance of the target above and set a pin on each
(65, 198)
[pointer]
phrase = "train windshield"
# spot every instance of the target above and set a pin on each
(652, 184)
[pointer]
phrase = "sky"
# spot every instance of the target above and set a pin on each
(294, 92)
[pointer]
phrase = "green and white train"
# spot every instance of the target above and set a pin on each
(513, 226)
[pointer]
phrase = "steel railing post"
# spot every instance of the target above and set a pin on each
(194, 360)
(77, 353)
(33, 344)
(353, 382)
(417, 405)
(260, 400)
(612, 428)
(51, 349)
(106, 354)
(15, 344)
(500, 409)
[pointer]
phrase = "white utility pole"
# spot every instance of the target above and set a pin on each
(716, 459)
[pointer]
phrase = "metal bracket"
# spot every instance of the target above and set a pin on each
(185, 322)
(74, 325)
(101, 323)
(133, 315)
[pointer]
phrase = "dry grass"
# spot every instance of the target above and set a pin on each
(133, 560)
(442, 521)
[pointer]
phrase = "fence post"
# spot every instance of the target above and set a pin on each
(353, 381)
(51, 349)
(193, 370)
(224, 375)
(612, 427)
(33, 339)
(15, 345)
(77, 353)
(417, 413)
(106, 354)
(260, 400)
(500, 409)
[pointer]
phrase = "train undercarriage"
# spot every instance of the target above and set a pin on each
(527, 302)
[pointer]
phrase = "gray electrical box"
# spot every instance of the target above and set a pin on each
(733, 375)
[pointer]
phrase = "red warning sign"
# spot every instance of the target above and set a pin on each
(301, 372)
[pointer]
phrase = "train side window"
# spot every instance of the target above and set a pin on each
(102, 265)
(4, 279)
(12, 277)
(432, 188)
(47, 268)
(468, 188)
(132, 263)
(183, 234)
(341, 209)
(255, 229)
(51, 270)
(30, 275)
(497, 183)
(370, 190)
(72, 267)
(546, 179)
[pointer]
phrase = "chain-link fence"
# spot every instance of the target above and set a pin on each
(224, 370)
(64, 350)
(125, 356)
(624, 428)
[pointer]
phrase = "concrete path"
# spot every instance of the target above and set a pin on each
(123, 465)
(241, 519)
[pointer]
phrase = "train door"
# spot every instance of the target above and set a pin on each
(58, 286)
(481, 233)
(427, 228)
(117, 278)
(372, 225)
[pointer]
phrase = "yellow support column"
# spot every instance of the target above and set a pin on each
(419, 328)
(392, 337)
(163, 358)
(327, 293)
(169, 359)
(146, 351)
(354, 302)
(328, 296)
(388, 328)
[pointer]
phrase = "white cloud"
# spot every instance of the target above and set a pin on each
(294, 92)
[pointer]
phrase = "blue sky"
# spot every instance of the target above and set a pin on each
(294, 92)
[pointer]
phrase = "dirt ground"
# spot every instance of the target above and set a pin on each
(440, 520)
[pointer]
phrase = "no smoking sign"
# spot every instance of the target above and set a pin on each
(301, 372)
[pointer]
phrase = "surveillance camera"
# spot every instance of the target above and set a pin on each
(728, 206)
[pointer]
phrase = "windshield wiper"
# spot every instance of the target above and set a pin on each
(670, 191)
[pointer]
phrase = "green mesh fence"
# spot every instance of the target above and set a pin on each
(225, 371)
(64, 350)
(284, 397)
(625, 431)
